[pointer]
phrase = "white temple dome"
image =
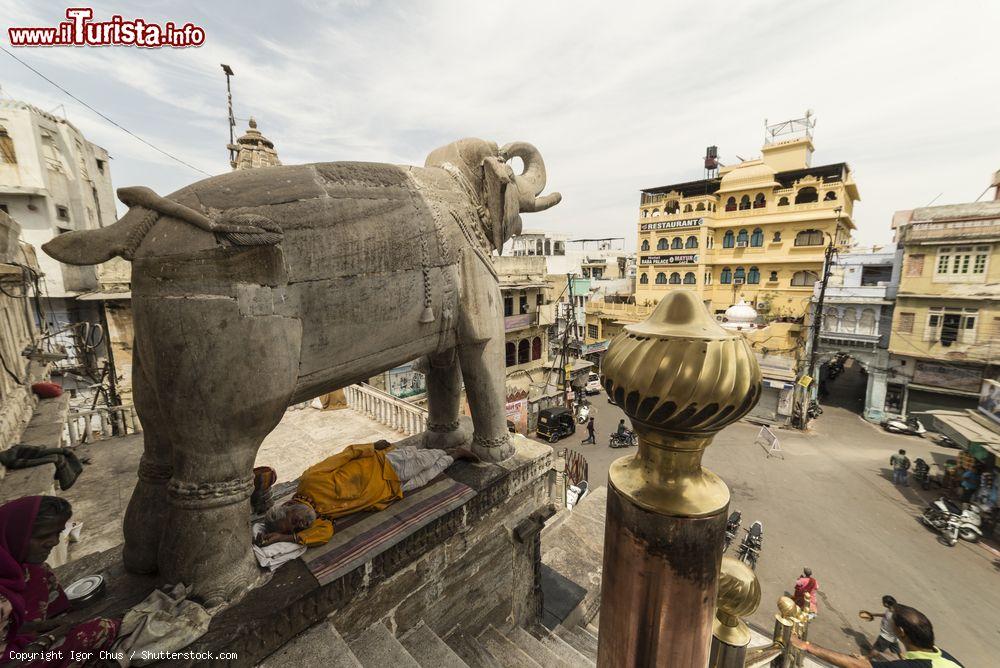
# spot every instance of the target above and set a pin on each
(740, 316)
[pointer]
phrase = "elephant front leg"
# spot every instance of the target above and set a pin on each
(483, 370)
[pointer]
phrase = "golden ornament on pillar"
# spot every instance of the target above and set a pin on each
(739, 596)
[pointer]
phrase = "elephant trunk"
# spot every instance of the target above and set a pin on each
(531, 181)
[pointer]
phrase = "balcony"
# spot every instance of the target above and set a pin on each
(862, 294)
(512, 323)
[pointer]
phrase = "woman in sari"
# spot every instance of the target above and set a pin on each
(31, 598)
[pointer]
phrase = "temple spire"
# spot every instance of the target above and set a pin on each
(254, 150)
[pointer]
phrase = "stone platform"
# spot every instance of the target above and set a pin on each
(475, 566)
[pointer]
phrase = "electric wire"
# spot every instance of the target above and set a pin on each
(117, 125)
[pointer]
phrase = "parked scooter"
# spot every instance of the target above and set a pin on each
(836, 366)
(583, 412)
(575, 493)
(749, 551)
(910, 426)
(626, 440)
(732, 528)
(953, 521)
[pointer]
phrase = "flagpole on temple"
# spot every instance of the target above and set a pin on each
(680, 378)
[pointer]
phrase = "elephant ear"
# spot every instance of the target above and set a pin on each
(501, 200)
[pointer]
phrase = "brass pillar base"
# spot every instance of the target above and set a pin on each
(658, 590)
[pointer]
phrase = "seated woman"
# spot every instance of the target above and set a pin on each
(30, 596)
(367, 476)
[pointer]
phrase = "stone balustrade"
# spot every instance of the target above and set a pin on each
(100, 423)
(386, 409)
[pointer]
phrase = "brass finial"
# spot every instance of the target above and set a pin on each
(680, 378)
(739, 596)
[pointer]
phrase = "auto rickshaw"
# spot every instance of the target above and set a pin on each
(555, 423)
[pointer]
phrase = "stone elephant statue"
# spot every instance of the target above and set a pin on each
(261, 288)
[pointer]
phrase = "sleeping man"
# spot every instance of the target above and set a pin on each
(368, 476)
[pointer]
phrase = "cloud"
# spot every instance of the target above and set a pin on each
(617, 96)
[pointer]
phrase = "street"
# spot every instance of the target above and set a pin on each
(830, 505)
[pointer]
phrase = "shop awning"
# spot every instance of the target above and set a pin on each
(975, 433)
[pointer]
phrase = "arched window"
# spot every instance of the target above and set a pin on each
(866, 324)
(677, 243)
(539, 247)
(809, 238)
(708, 278)
(700, 207)
(645, 244)
(806, 195)
(692, 242)
(757, 238)
(689, 278)
(831, 319)
(523, 351)
(804, 278)
(511, 350)
(742, 239)
(661, 278)
(644, 279)
(687, 208)
(744, 202)
(741, 275)
(645, 213)
(830, 196)
(777, 236)
(731, 204)
(536, 348)
(783, 201)
(675, 278)
(672, 207)
(753, 276)
(726, 276)
(759, 202)
(849, 322)
(661, 244)
(654, 212)
(548, 247)
(728, 240)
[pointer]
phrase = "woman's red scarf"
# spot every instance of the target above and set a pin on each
(16, 521)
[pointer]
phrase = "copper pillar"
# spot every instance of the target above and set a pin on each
(680, 378)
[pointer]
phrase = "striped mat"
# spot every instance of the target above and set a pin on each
(362, 536)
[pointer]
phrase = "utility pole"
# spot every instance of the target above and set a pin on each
(565, 347)
(817, 323)
(232, 119)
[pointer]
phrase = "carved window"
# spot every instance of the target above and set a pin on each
(645, 245)
(536, 348)
(523, 351)
(809, 238)
(753, 276)
(511, 351)
(783, 201)
(759, 202)
(773, 277)
(662, 244)
(661, 278)
(742, 239)
(644, 279)
(806, 195)
(700, 207)
(726, 277)
(692, 242)
(744, 202)
(904, 323)
(728, 240)
(804, 278)
(677, 243)
(731, 204)
(675, 278)
(689, 278)
(757, 238)
(777, 237)
(687, 208)
(830, 196)
(672, 207)
(740, 275)
(508, 306)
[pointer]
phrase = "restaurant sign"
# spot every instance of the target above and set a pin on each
(670, 224)
(678, 258)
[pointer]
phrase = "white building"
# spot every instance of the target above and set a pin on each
(52, 180)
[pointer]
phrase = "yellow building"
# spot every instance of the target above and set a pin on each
(946, 325)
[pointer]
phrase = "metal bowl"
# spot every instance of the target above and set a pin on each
(85, 589)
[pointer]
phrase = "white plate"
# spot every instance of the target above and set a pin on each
(84, 587)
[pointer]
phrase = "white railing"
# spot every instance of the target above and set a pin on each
(100, 423)
(386, 409)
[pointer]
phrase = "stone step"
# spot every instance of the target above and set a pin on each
(534, 648)
(429, 650)
(586, 645)
(586, 631)
(561, 648)
(504, 650)
(593, 628)
(471, 651)
(378, 648)
(320, 645)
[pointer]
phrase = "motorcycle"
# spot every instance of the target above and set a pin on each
(953, 521)
(732, 528)
(626, 440)
(922, 473)
(749, 551)
(911, 426)
(836, 366)
(814, 410)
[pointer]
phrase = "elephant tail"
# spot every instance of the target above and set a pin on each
(122, 239)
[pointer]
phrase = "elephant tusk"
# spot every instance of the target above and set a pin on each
(544, 202)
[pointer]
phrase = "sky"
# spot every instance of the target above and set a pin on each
(617, 96)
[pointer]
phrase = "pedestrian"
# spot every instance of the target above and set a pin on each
(591, 438)
(806, 584)
(900, 465)
(913, 630)
(887, 639)
(970, 483)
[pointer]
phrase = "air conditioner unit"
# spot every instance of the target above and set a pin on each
(738, 281)
(741, 244)
(763, 307)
